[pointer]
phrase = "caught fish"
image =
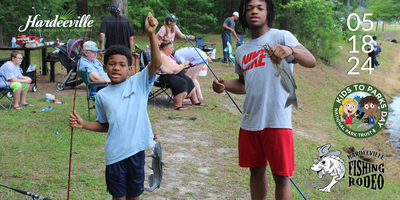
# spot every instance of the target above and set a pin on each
(287, 80)
(156, 166)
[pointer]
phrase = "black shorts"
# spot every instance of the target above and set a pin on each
(126, 177)
(177, 82)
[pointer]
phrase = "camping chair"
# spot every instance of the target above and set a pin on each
(90, 95)
(5, 92)
(145, 58)
(204, 46)
(240, 42)
(231, 56)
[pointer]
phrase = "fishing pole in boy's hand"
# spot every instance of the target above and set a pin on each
(72, 129)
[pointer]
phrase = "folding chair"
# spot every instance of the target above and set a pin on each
(204, 46)
(145, 58)
(240, 42)
(5, 92)
(90, 95)
(231, 57)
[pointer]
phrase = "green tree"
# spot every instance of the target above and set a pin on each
(313, 23)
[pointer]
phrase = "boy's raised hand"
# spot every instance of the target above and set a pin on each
(151, 23)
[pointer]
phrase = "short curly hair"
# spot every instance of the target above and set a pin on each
(369, 99)
(118, 49)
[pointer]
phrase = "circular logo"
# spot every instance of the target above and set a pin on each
(360, 110)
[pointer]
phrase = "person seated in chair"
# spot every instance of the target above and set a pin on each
(14, 79)
(180, 84)
(199, 58)
(88, 63)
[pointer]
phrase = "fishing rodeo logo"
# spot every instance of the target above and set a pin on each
(360, 110)
(362, 172)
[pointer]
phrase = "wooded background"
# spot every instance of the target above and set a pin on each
(316, 23)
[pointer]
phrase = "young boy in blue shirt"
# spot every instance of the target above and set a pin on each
(121, 110)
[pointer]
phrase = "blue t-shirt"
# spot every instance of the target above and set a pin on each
(124, 107)
(84, 64)
(9, 71)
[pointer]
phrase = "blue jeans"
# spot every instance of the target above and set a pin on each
(225, 38)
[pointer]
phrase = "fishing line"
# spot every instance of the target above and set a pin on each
(218, 81)
(199, 54)
(73, 109)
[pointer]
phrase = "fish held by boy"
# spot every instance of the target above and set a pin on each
(287, 79)
(156, 166)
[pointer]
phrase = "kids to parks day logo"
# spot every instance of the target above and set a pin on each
(65, 20)
(360, 110)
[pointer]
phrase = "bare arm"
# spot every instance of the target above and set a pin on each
(300, 53)
(76, 121)
(21, 79)
(231, 29)
(102, 39)
(181, 35)
(235, 86)
(94, 76)
(169, 67)
(151, 24)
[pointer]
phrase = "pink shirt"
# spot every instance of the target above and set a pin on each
(172, 60)
(163, 33)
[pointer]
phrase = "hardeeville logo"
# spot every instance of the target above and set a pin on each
(60, 21)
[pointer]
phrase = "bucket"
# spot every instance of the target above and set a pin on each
(48, 97)
(211, 53)
(203, 71)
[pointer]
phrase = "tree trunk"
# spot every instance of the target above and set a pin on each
(347, 3)
(284, 20)
(123, 5)
(82, 7)
(1, 34)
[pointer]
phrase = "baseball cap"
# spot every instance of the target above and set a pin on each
(236, 14)
(90, 46)
(171, 18)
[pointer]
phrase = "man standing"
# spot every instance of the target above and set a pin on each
(14, 79)
(265, 135)
(117, 29)
(229, 28)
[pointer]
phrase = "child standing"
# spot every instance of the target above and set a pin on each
(265, 136)
(121, 110)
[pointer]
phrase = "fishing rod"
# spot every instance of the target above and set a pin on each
(34, 7)
(204, 29)
(26, 193)
(220, 81)
(72, 129)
